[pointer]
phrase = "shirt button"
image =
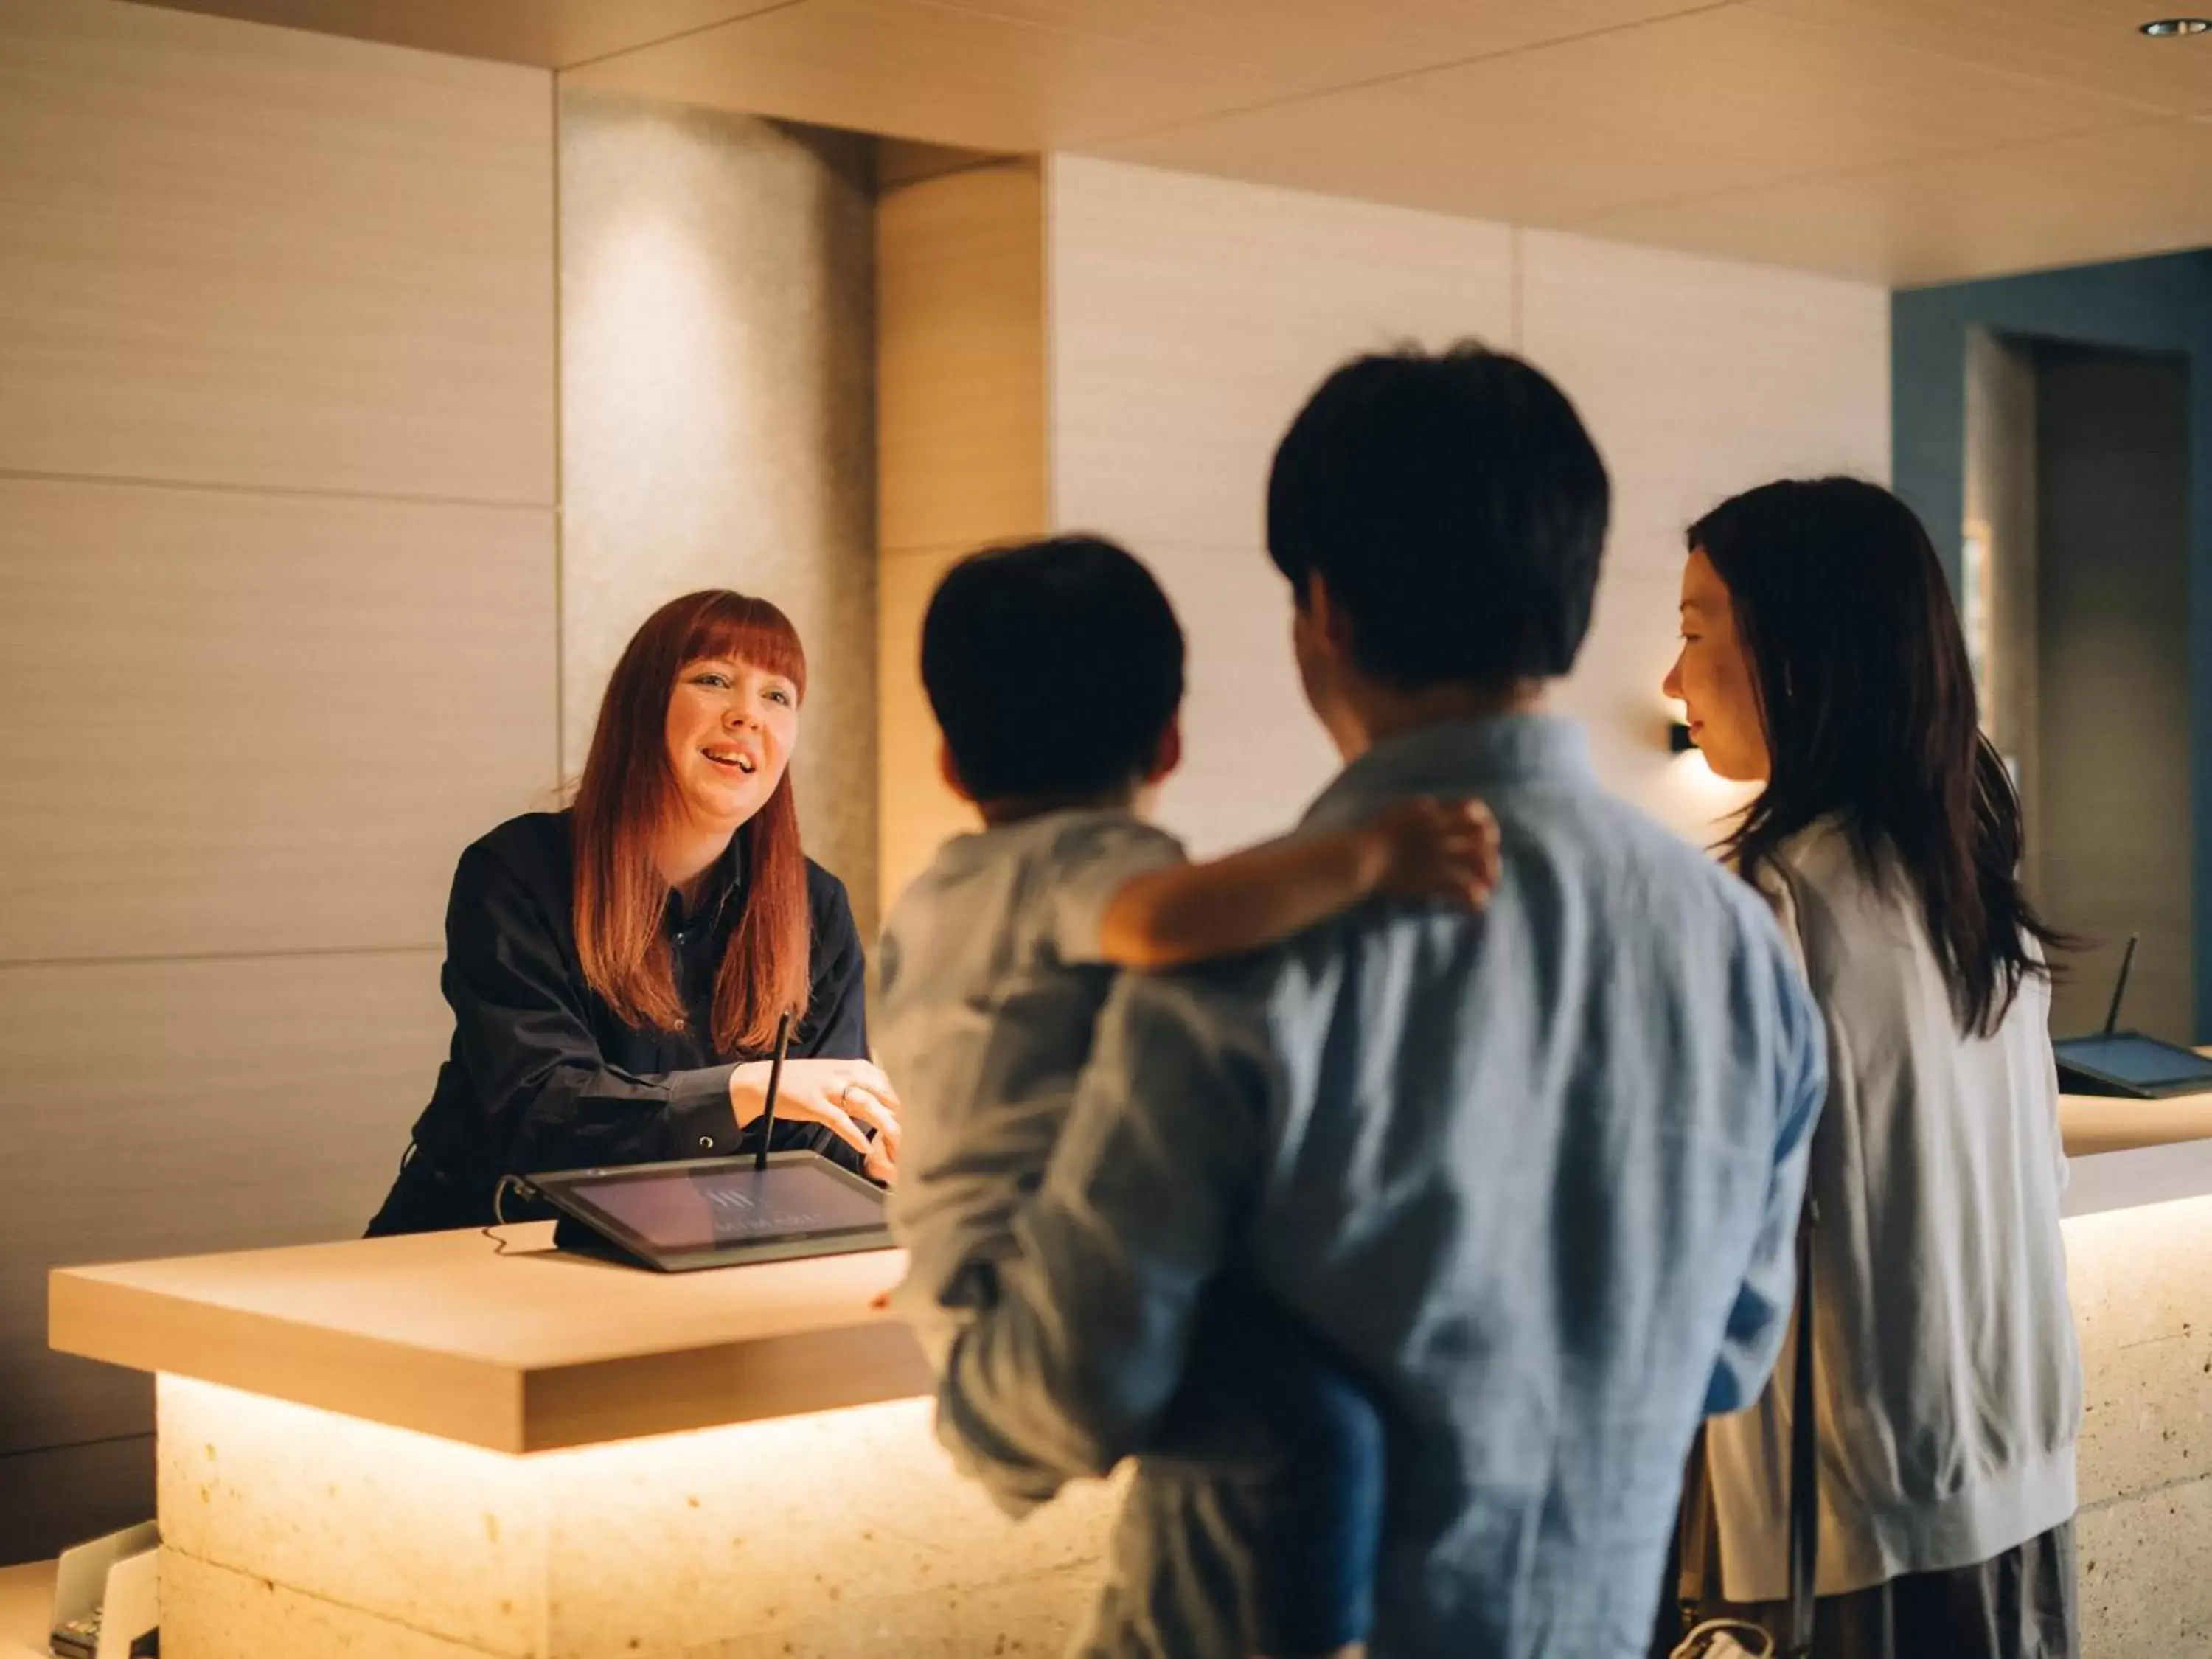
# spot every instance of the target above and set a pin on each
(706, 1143)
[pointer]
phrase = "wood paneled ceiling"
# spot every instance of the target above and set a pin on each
(1902, 141)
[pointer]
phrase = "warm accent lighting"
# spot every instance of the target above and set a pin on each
(831, 1532)
(2166, 29)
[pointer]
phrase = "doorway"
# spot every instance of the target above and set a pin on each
(2077, 596)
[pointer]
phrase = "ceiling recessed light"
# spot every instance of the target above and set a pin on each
(2165, 27)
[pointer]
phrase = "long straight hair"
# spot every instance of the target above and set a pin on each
(629, 794)
(1868, 699)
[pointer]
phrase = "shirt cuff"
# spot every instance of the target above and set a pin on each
(700, 1121)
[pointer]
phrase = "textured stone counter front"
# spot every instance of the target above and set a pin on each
(842, 1534)
(450, 1445)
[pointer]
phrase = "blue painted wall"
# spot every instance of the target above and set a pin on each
(2139, 305)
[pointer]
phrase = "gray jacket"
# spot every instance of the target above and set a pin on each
(1948, 1383)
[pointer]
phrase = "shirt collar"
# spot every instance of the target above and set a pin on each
(1456, 759)
(724, 881)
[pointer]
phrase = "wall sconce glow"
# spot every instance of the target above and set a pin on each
(2167, 28)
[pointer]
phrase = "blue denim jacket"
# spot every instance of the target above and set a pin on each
(1534, 1173)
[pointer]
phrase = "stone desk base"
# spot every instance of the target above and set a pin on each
(290, 1530)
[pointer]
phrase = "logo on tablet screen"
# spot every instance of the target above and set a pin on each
(749, 1211)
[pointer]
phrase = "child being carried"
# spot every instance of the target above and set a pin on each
(1055, 671)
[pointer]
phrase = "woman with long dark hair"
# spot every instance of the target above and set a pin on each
(1822, 658)
(617, 972)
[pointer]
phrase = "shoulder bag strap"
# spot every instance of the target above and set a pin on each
(1804, 1459)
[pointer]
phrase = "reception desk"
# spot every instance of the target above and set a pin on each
(457, 1444)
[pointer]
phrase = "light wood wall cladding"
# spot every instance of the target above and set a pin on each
(961, 444)
(545, 33)
(249, 256)
(161, 1109)
(276, 639)
(1698, 378)
(1191, 319)
(244, 722)
(961, 357)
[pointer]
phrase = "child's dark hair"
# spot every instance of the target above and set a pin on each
(1054, 668)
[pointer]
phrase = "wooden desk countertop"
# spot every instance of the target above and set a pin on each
(533, 1350)
(528, 1351)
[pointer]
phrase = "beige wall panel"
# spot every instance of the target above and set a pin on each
(1702, 377)
(919, 812)
(1192, 317)
(165, 1108)
(1725, 98)
(718, 415)
(249, 256)
(962, 444)
(2092, 44)
(1698, 378)
(2113, 195)
(961, 371)
(1254, 754)
(242, 722)
(548, 33)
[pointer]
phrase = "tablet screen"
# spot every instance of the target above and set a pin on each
(2140, 1060)
(678, 1210)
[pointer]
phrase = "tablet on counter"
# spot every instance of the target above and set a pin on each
(716, 1211)
(2128, 1063)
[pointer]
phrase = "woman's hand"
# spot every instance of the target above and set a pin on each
(847, 1096)
(1426, 848)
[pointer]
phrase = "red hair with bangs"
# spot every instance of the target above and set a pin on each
(629, 794)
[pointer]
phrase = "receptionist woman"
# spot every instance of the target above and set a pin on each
(617, 971)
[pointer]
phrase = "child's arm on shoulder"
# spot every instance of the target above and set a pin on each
(1188, 913)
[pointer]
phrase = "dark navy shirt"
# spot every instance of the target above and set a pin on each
(543, 1075)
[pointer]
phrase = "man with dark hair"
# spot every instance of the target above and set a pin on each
(1533, 1174)
(1054, 669)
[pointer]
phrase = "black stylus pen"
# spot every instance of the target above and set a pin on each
(2120, 990)
(775, 1082)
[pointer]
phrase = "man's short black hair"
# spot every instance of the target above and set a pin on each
(1454, 506)
(1054, 668)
